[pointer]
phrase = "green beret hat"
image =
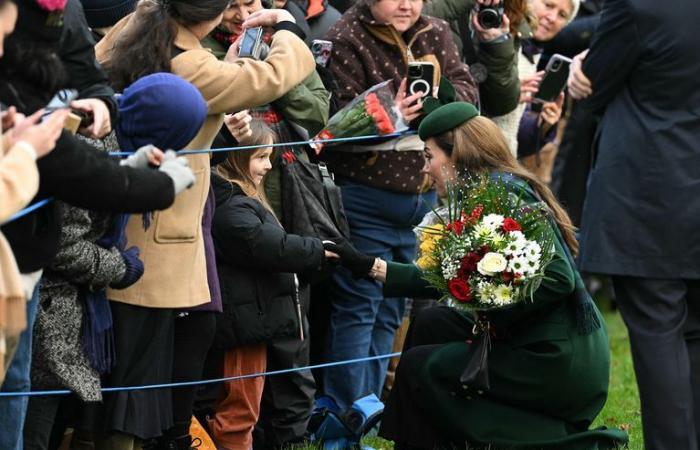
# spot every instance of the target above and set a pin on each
(446, 118)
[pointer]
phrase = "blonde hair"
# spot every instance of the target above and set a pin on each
(478, 146)
(236, 168)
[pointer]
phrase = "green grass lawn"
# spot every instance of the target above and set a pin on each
(622, 408)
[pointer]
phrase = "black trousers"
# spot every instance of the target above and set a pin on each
(663, 320)
(194, 335)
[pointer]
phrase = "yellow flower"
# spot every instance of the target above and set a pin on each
(427, 262)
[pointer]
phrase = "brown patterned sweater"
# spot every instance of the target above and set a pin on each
(366, 52)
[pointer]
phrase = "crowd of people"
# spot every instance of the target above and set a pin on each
(165, 267)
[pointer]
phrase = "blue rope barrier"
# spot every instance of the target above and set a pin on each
(285, 144)
(41, 203)
(203, 382)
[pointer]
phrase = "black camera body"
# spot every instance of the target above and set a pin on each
(252, 45)
(490, 17)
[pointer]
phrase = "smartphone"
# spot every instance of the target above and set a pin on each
(251, 44)
(322, 51)
(420, 78)
(554, 81)
(61, 100)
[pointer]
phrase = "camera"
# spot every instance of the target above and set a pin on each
(252, 45)
(489, 17)
(322, 51)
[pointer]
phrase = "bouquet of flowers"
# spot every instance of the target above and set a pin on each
(486, 249)
(371, 113)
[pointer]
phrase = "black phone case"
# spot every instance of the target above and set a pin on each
(554, 81)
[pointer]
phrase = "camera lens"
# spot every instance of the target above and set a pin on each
(415, 71)
(489, 18)
(556, 65)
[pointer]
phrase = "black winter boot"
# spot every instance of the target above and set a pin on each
(182, 443)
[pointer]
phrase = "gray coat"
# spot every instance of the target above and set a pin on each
(642, 213)
(58, 359)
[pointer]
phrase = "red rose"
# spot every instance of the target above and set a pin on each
(459, 290)
(510, 225)
(470, 261)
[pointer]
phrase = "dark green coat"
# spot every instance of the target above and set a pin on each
(548, 382)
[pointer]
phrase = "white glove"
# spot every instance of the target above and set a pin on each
(178, 169)
(140, 159)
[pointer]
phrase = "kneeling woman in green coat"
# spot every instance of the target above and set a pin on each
(548, 378)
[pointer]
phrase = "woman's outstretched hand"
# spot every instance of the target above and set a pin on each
(358, 263)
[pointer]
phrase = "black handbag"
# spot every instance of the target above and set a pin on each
(311, 201)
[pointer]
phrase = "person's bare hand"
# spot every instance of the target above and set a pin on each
(267, 18)
(239, 126)
(410, 107)
(101, 122)
(232, 52)
(11, 118)
(529, 86)
(41, 136)
(579, 85)
(551, 111)
(489, 34)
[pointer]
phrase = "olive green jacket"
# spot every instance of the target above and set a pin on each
(500, 92)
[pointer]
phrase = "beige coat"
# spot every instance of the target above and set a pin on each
(172, 249)
(19, 182)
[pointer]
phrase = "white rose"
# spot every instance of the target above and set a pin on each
(491, 264)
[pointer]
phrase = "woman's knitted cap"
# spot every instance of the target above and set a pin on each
(160, 109)
(105, 13)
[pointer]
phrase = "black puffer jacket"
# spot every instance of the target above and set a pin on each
(257, 262)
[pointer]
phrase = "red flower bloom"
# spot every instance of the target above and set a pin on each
(510, 225)
(457, 227)
(470, 261)
(476, 212)
(460, 290)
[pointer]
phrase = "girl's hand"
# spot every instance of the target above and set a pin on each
(101, 125)
(551, 111)
(239, 126)
(232, 52)
(529, 86)
(410, 107)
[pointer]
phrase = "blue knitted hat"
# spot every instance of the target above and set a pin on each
(160, 109)
(105, 13)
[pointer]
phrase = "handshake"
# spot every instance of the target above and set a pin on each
(349, 257)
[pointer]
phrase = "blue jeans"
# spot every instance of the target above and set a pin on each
(363, 322)
(14, 409)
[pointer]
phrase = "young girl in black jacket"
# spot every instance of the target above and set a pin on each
(258, 265)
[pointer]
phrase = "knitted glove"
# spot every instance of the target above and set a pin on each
(139, 159)
(178, 170)
(134, 268)
(358, 263)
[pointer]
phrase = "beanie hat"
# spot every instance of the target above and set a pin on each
(105, 13)
(40, 20)
(160, 109)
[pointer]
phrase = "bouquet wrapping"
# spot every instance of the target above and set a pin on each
(372, 113)
(486, 249)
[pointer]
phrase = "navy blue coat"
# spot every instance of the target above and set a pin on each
(642, 214)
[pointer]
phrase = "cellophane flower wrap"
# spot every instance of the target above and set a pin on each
(372, 113)
(486, 249)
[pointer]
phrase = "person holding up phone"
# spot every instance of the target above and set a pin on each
(384, 192)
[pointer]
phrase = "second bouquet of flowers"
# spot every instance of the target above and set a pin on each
(487, 249)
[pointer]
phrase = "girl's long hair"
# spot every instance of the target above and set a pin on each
(146, 45)
(479, 146)
(235, 169)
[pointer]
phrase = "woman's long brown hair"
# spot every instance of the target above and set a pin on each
(478, 146)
